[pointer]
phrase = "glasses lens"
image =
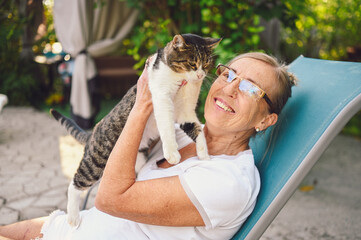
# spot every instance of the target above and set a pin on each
(225, 72)
(249, 88)
(231, 76)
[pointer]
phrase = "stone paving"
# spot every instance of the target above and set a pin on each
(34, 173)
(38, 158)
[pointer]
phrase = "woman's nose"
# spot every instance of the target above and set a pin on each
(231, 89)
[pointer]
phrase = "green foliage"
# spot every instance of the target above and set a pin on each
(20, 85)
(325, 29)
(18, 78)
(314, 28)
(147, 38)
(237, 22)
(10, 33)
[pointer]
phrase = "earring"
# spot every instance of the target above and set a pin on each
(257, 129)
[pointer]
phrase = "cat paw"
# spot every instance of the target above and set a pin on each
(202, 150)
(203, 154)
(73, 221)
(172, 157)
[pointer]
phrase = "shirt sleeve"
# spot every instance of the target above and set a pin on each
(219, 190)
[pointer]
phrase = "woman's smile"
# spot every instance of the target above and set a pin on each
(223, 105)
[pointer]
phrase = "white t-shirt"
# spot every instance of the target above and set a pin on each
(223, 189)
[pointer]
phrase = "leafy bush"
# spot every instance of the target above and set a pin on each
(20, 79)
(237, 22)
(324, 29)
(20, 85)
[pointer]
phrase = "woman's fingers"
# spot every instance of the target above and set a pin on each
(144, 96)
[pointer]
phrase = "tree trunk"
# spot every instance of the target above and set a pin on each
(33, 12)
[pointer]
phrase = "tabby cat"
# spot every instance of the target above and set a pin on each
(175, 75)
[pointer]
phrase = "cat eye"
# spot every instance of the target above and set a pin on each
(246, 86)
(193, 65)
(207, 62)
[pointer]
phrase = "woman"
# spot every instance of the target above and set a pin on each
(194, 199)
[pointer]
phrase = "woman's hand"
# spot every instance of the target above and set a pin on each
(143, 102)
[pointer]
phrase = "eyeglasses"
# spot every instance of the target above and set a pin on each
(245, 85)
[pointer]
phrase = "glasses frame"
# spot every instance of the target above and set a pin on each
(263, 92)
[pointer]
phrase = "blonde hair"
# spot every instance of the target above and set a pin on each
(285, 79)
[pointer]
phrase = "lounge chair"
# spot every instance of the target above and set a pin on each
(328, 95)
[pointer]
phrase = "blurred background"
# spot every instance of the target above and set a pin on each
(38, 61)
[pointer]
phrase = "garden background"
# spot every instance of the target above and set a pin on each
(326, 29)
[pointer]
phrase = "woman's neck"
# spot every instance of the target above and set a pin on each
(225, 143)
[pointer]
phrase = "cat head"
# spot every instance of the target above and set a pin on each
(191, 54)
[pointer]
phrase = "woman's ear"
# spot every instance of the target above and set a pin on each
(269, 120)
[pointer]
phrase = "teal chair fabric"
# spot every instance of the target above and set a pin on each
(327, 96)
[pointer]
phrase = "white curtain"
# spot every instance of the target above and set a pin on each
(86, 31)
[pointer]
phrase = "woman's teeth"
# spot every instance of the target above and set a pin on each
(224, 107)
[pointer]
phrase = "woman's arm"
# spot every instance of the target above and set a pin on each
(159, 201)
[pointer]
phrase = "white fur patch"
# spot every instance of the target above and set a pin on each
(73, 217)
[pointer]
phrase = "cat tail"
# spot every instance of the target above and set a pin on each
(72, 128)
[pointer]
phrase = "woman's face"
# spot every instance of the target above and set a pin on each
(230, 110)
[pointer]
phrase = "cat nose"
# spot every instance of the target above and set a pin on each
(199, 75)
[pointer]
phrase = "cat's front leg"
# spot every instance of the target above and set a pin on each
(185, 103)
(202, 149)
(189, 123)
(195, 132)
(164, 116)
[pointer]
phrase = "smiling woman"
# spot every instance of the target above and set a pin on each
(236, 107)
(168, 201)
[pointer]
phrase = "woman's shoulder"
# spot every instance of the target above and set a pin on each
(238, 170)
(232, 180)
(231, 167)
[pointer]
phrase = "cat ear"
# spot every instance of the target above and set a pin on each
(178, 41)
(213, 42)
